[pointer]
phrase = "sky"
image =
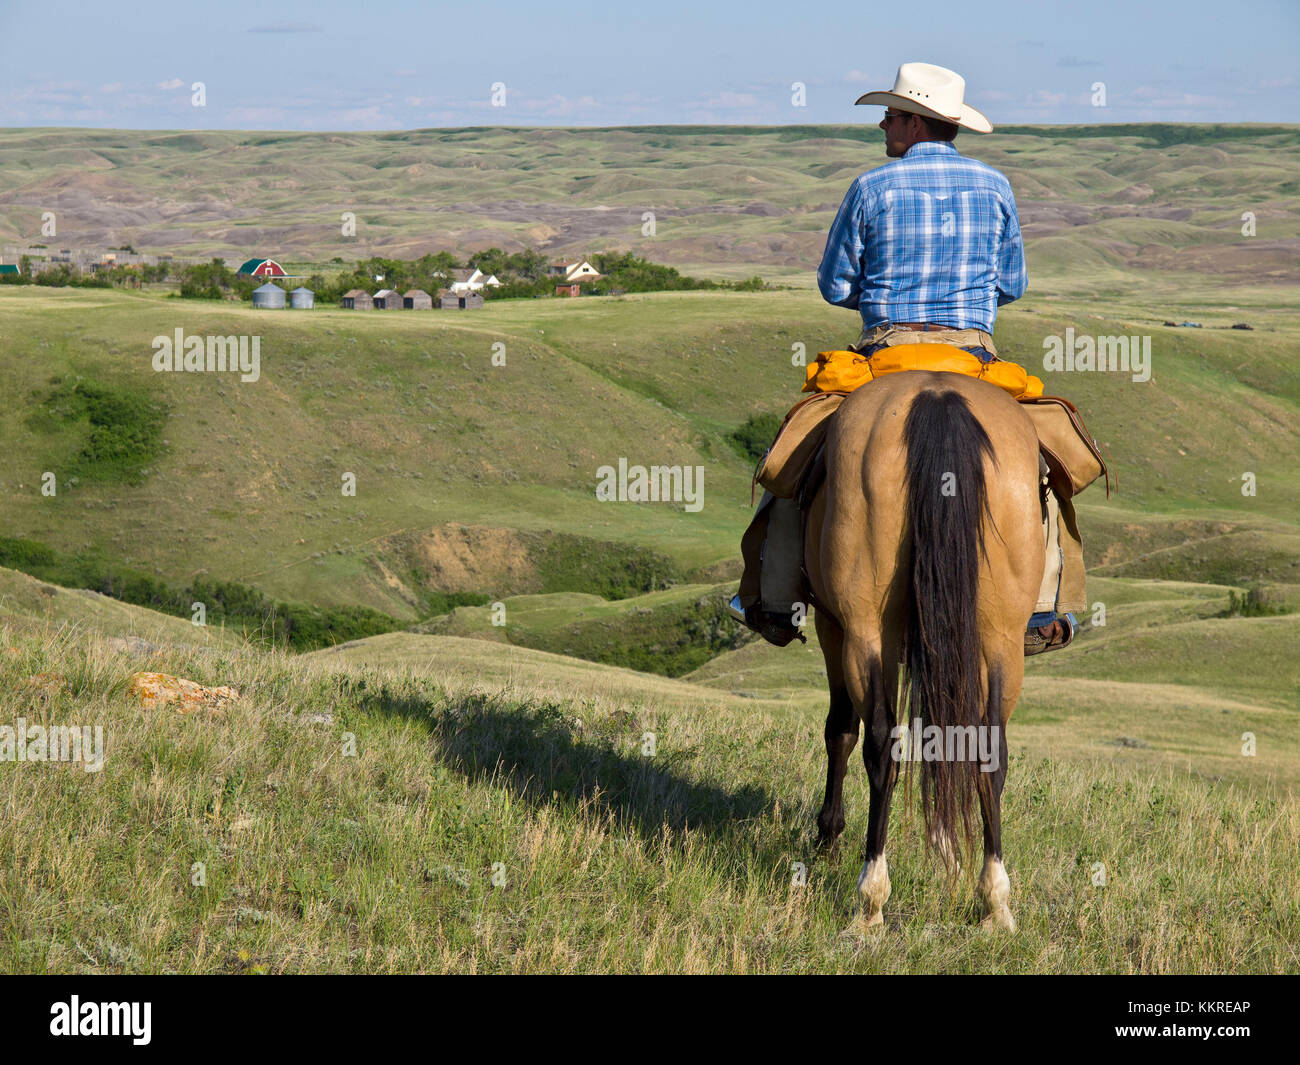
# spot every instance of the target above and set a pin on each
(405, 65)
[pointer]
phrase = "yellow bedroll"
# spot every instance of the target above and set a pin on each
(843, 371)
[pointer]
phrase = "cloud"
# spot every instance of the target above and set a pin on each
(112, 87)
(366, 118)
(1075, 61)
(1041, 98)
(858, 77)
(730, 100)
(171, 83)
(286, 27)
(259, 118)
(1157, 98)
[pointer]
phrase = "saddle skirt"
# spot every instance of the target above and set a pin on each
(843, 371)
(1073, 458)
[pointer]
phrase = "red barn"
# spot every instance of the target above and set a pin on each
(262, 268)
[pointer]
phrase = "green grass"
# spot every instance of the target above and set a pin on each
(667, 632)
(299, 626)
(248, 486)
(607, 859)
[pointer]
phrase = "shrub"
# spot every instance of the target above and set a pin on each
(754, 437)
(1253, 602)
(568, 563)
(123, 428)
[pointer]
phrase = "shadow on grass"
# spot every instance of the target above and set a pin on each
(537, 749)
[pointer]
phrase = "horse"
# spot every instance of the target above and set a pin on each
(924, 559)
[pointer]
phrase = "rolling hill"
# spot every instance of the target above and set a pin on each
(729, 201)
(246, 479)
(559, 700)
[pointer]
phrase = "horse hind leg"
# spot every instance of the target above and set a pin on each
(873, 683)
(841, 735)
(995, 893)
(994, 885)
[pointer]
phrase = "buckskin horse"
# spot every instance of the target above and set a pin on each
(924, 556)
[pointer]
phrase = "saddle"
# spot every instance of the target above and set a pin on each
(794, 467)
(796, 457)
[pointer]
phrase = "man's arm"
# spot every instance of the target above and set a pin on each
(840, 275)
(1013, 277)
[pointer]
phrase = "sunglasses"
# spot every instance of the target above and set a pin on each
(896, 114)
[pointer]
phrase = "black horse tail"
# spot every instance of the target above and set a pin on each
(947, 499)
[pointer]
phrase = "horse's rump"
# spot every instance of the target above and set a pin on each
(927, 549)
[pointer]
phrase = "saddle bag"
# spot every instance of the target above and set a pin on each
(783, 464)
(1073, 459)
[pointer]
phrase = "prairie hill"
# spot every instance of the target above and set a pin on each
(26, 602)
(618, 856)
(481, 478)
(1097, 202)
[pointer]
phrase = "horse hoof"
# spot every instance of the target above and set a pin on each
(868, 924)
(1000, 920)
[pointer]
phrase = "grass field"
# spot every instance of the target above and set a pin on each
(594, 771)
(490, 823)
(247, 481)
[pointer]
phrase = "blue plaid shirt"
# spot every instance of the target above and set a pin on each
(930, 237)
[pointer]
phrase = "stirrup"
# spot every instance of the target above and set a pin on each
(736, 610)
(1036, 643)
(775, 628)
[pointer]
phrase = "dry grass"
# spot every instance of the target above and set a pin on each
(613, 860)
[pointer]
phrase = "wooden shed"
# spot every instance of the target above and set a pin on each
(357, 299)
(388, 299)
(568, 290)
(417, 300)
(464, 301)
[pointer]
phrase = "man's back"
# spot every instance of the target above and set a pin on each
(932, 237)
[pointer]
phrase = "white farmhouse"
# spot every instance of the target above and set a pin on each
(573, 270)
(474, 280)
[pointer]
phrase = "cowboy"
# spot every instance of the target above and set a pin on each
(926, 249)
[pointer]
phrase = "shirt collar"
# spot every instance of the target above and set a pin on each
(930, 148)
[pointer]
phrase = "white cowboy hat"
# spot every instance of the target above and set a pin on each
(935, 92)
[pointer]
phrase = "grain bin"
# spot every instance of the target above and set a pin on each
(302, 299)
(268, 297)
